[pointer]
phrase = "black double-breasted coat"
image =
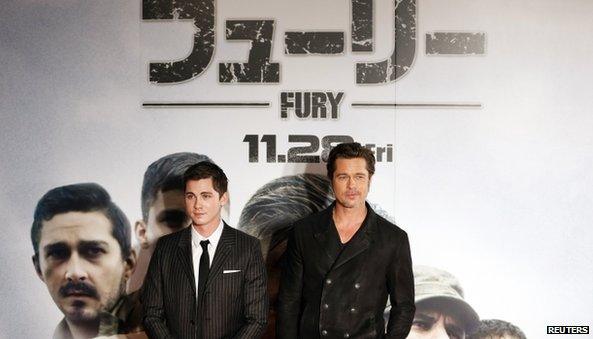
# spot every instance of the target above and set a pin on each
(322, 296)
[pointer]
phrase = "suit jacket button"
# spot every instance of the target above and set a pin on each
(357, 285)
(324, 333)
(325, 306)
(352, 310)
(328, 281)
(346, 335)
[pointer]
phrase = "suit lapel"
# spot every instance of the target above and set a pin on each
(223, 250)
(360, 242)
(185, 256)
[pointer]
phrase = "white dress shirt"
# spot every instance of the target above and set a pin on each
(196, 248)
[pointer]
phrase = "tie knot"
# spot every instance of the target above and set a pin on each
(204, 244)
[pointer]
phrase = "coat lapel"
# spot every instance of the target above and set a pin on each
(224, 248)
(360, 242)
(353, 249)
(321, 233)
(185, 256)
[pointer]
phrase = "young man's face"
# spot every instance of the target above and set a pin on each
(203, 203)
(435, 324)
(81, 263)
(350, 182)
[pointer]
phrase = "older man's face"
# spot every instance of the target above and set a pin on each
(435, 324)
(81, 263)
(351, 181)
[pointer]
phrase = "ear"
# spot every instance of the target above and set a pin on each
(35, 259)
(224, 199)
(140, 230)
(130, 261)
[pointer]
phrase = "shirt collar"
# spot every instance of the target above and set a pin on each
(125, 311)
(214, 237)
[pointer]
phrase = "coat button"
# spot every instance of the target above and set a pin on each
(324, 333)
(328, 281)
(346, 335)
(325, 306)
(357, 285)
(352, 310)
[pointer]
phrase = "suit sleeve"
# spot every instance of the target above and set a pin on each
(255, 296)
(400, 282)
(291, 285)
(154, 321)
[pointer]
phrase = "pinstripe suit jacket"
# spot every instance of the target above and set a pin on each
(234, 305)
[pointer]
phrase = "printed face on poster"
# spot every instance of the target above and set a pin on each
(478, 121)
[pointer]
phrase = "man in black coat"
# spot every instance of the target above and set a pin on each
(186, 294)
(343, 262)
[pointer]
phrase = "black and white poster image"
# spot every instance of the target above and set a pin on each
(477, 114)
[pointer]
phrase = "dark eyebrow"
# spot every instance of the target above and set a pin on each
(55, 246)
(425, 317)
(92, 243)
(171, 214)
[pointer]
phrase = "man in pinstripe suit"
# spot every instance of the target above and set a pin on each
(208, 280)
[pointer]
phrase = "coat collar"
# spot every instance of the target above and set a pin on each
(358, 244)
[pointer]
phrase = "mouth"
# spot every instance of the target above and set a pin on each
(78, 294)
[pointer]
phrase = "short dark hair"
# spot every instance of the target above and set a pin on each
(205, 170)
(350, 150)
(166, 174)
(280, 202)
(496, 327)
(271, 211)
(84, 197)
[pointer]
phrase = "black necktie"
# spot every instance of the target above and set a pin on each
(204, 269)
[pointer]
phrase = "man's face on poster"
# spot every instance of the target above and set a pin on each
(430, 323)
(81, 263)
(166, 215)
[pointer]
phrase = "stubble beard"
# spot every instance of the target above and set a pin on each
(91, 318)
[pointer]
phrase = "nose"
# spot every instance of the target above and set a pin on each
(75, 271)
(350, 183)
(197, 203)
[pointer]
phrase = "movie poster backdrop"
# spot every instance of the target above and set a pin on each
(478, 112)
